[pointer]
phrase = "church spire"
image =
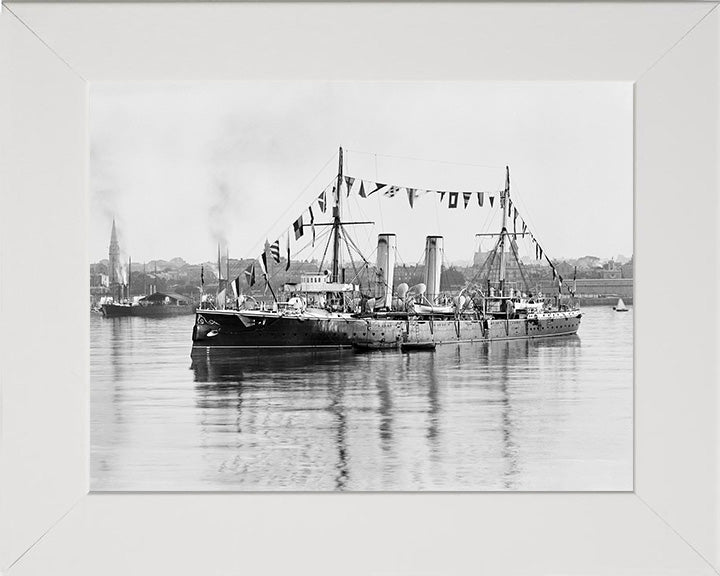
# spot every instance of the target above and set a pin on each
(114, 267)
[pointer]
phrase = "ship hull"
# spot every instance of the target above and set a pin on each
(158, 311)
(236, 329)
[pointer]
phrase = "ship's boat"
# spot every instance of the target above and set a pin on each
(359, 306)
(432, 309)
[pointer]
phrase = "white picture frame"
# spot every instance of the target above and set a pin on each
(50, 524)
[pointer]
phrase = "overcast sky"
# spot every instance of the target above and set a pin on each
(183, 166)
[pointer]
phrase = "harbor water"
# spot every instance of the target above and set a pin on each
(553, 414)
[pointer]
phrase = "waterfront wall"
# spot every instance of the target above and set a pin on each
(617, 287)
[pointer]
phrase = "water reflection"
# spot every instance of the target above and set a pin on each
(405, 385)
(520, 415)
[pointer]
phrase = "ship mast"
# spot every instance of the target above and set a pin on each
(336, 222)
(504, 200)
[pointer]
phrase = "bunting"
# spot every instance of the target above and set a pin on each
(312, 224)
(250, 274)
(411, 196)
(236, 287)
(322, 201)
(275, 251)
(365, 188)
(287, 264)
(453, 200)
(378, 186)
(298, 227)
(263, 263)
(492, 200)
(202, 275)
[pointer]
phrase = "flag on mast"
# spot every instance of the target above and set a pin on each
(250, 274)
(312, 224)
(298, 227)
(275, 251)
(287, 264)
(236, 286)
(411, 196)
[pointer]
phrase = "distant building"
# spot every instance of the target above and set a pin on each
(99, 280)
(480, 257)
(114, 274)
(611, 271)
(627, 269)
(409, 275)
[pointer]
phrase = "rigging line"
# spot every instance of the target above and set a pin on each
(535, 237)
(520, 266)
(379, 203)
(417, 264)
(357, 249)
(363, 216)
(526, 218)
(490, 259)
(352, 261)
(524, 215)
(327, 246)
(277, 271)
(297, 198)
(489, 216)
(491, 166)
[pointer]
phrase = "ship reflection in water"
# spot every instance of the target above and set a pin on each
(552, 414)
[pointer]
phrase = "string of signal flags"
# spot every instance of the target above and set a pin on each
(367, 188)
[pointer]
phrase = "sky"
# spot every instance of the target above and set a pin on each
(182, 167)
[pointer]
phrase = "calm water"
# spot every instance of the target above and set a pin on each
(534, 415)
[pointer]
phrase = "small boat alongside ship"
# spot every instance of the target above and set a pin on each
(340, 308)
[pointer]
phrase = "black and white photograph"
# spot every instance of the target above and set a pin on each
(361, 286)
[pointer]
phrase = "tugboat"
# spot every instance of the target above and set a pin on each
(325, 310)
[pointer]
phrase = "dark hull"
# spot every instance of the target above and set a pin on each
(225, 329)
(158, 311)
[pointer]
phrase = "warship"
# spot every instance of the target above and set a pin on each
(341, 307)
